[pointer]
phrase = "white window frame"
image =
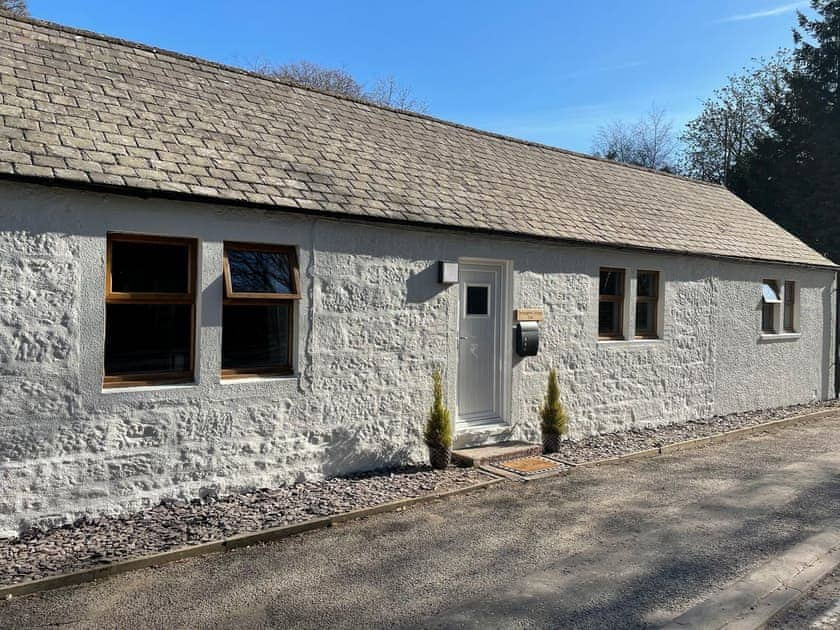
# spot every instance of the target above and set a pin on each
(771, 297)
(794, 329)
(776, 299)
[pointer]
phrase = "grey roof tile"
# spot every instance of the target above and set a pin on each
(78, 106)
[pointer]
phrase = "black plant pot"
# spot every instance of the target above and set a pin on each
(439, 458)
(551, 442)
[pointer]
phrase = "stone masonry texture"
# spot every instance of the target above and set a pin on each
(370, 327)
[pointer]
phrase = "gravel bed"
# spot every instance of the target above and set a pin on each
(93, 541)
(608, 445)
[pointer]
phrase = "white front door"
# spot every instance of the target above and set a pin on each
(480, 344)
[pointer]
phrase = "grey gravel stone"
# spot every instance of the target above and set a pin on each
(608, 445)
(90, 541)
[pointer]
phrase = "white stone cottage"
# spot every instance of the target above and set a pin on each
(209, 279)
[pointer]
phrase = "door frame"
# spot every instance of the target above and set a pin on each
(505, 352)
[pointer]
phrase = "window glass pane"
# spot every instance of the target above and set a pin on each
(255, 336)
(149, 267)
(608, 318)
(645, 317)
(790, 301)
(611, 282)
(770, 292)
(646, 284)
(788, 317)
(260, 272)
(478, 300)
(767, 313)
(147, 338)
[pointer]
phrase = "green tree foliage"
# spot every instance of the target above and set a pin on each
(14, 7)
(793, 172)
(438, 431)
(554, 419)
(733, 120)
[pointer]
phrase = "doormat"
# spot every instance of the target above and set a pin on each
(527, 466)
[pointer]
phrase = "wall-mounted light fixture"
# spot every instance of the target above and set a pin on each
(447, 272)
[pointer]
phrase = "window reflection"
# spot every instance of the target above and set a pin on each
(260, 272)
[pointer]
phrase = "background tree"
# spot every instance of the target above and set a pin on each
(655, 138)
(312, 75)
(793, 172)
(733, 120)
(616, 141)
(648, 142)
(15, 7)
(385, 91)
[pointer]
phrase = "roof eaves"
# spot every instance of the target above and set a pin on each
(150, 193)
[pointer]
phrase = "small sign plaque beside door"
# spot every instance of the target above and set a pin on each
(528, 315)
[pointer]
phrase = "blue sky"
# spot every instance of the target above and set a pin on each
(541, 70)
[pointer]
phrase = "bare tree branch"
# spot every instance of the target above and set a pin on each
(14, 7)
(655, 138)
(385, 91)
(335, 80)
(616, 141)
(648, 142)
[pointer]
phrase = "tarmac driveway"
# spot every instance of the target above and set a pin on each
(616, 546)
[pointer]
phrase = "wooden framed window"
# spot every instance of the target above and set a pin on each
(149, 310)
(610, 303)
(770, 301)
(261, 284)
(647, 304)
(789, 313)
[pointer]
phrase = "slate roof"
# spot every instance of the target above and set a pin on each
(83, 108)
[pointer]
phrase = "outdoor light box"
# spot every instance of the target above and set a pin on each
(527, 339)
(447, 272)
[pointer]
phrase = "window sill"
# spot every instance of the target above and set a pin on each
(256, 378)
(786, 336)
(160, 387)
(630, 343)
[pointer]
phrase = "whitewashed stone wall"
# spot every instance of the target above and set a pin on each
(371, 326)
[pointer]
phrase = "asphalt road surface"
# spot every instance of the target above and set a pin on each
(621, 546)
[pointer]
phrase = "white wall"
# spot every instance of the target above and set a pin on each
(370, 327)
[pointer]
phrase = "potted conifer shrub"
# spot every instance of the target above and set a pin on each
(438, 431)
(554, 420)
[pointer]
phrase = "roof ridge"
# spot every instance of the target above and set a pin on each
(238, 70)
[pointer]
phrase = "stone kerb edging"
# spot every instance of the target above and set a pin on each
(753, 601)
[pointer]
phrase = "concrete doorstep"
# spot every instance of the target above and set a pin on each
(751, 602)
